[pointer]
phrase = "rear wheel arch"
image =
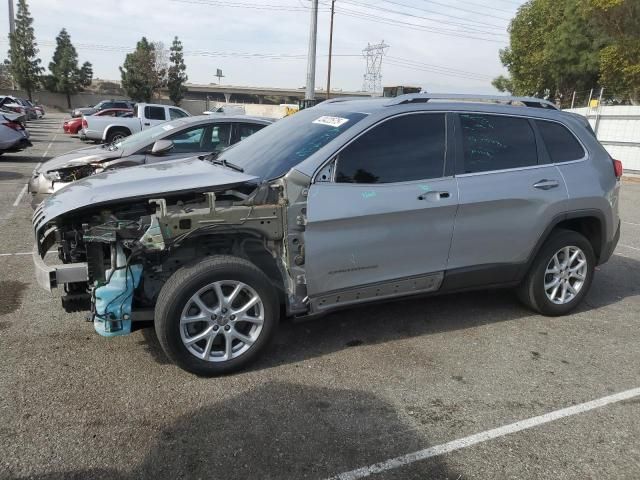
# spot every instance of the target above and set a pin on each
(112, 131)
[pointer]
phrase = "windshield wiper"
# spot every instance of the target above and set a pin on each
(227, 164)
(213, 158)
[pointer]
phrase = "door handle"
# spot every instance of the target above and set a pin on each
(147, 124)
(545, 184)
(433, 195)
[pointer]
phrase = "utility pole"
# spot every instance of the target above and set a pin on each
(12, 19)
(310, 93)
(333, 7)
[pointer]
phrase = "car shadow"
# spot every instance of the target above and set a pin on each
(278, 430)
(297, 341)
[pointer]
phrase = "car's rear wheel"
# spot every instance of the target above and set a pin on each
(115, 135)
(561, 274)
(216, 316)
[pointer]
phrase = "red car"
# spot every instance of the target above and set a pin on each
(74, 125)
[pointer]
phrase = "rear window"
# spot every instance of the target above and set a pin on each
(561, 144)
(154, 113)
(494, 142)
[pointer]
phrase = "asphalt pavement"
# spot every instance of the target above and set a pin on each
(348, 391)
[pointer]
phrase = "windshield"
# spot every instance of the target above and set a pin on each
(145, 137)
(274, 150)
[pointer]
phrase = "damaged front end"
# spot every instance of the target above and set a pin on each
(116, 256)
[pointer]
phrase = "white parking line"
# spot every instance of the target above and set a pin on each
(628, 246)
(24, 189)
(22, 253)
(485, 436)
(631, 223)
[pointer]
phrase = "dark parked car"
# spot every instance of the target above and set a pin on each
(103, 105)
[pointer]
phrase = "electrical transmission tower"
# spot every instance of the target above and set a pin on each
(373, 77)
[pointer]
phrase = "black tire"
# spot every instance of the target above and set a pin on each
(116, 134)
(531, 291)
(176, 293)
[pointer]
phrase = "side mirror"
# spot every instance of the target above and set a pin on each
(161, 147)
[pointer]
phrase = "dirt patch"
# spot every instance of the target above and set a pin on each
(11, 293)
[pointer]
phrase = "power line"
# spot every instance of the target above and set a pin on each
(467, 26)
(414, 26)
(475, 12)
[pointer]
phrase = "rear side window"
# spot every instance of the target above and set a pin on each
(561, 145)
(494, 142)
(410, 147)
(175, 113)
(154, 113)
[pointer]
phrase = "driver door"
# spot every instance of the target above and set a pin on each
(382, 224)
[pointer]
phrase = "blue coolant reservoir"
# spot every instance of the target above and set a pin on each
(113, 300)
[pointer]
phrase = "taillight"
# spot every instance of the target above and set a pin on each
(13, 125)
(84, 123)
(617, 168)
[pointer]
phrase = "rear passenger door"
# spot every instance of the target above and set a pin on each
(508, 193)
(381, 213)
(153, 116)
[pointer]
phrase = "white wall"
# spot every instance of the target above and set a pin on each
(616, 125)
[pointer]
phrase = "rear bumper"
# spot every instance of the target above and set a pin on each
(609, 247)
(49, 277)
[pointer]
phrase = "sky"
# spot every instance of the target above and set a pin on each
(439, 45)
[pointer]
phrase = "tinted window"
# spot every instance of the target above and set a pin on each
(273, 151)
(191, 140)
(120, 105)
(561, 145)
(493, 142)
(154, 113)
(411, 147)
(220, 137)
(244, 130)
(175, 113)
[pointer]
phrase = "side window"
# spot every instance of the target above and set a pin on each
(108, 114)
(220, 136)
(494, 142)
(175, 113)
(244, 130)
(561, 145)
(410, 147)
(188, 141)
(123, 113)
(154, 113)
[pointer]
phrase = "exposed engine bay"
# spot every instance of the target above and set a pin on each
(132, 247)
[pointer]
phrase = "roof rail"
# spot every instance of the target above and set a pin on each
(502, 99)
(343, 99)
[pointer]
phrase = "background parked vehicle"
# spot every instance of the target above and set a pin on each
(103, 105)
(145, 115)
(185, 137)
(14, 137)
(74, 125)
(348, 202)
(19, 105)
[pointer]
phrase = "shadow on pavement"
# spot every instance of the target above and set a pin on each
(414, 317)
(276, 431)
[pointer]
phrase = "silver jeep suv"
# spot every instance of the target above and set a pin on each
(349, 202)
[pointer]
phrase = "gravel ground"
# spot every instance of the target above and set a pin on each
(331, 395)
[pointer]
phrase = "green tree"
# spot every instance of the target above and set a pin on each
(86, 74)
(619, 60)
(177, 74)
(5, 75)
(140, 79)
(24, 63)
(65, 76)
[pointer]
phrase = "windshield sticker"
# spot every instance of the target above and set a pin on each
(331, 121)
(166, 128)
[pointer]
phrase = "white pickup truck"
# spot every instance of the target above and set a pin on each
(112, 129)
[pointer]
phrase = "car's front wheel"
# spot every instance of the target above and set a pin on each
(561, 274)
(216, 316)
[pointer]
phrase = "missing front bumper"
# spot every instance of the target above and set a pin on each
(50, 277)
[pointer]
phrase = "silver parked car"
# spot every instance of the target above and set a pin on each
(179, 138)
(349, 202)
(14, 137)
